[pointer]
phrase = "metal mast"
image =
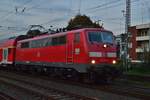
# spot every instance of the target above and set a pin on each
(127, 25)
(128, 15)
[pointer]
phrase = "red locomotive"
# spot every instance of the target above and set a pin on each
(89, 52)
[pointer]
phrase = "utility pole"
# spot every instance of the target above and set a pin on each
(127, 25)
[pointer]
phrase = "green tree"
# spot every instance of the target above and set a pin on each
(81, 21)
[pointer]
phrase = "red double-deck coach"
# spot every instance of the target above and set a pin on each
(7, 51)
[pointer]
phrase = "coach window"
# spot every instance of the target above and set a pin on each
(9, 50)
(25, 45)
(77, 38)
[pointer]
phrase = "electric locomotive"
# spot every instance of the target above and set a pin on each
(87, 52)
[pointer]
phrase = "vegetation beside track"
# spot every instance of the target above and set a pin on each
(139, 69)
(138, 73)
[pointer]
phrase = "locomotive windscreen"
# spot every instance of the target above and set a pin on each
(98, 36)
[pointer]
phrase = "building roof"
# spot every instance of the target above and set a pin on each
(142, 26)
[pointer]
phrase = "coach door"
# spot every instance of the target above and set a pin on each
(5, 55)
(69, 49)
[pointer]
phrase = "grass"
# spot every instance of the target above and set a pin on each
(139, 70)
(143, 71)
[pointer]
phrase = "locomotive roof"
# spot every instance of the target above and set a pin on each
(62, 33)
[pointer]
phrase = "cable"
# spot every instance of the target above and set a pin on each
(108, 5)
(103, 5)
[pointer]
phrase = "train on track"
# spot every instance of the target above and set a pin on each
(89, 53)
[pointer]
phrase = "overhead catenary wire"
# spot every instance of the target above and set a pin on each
(103, 5)
(98, 8)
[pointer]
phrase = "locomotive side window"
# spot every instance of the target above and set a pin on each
(59, 40)
(49, 42)
(39, 43)
(33, 44)
(44, 42)
(25, 45)
(77, 38)
(54, 41)
(62, 40)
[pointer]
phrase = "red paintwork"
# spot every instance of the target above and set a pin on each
(51, 53)
(9, 44)
(132, 51)
(98, 47)
(0, 54)
(58, 53)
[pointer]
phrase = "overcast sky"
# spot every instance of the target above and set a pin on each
(15, 15)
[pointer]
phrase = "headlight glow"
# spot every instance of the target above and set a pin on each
(114, 62)
(93, 61)
(104, 45)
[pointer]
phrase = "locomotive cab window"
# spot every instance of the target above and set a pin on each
(76, 37)
(104, 37)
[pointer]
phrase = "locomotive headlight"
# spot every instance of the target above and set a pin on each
(104, 45)
(114, 62)
(93, 61)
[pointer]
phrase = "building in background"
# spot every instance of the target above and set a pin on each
(120, 41)
(139, 43)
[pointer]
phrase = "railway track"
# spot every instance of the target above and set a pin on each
(137, 77)
(118, 88)
(4, 96)
(45, 93)
(124, 87)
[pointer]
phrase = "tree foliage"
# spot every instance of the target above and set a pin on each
(81, 21)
